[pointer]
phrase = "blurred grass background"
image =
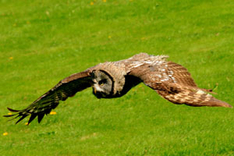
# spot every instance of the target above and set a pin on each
(42, 42)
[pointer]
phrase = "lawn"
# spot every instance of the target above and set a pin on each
(42, 42)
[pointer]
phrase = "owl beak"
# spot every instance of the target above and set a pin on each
(94, 90)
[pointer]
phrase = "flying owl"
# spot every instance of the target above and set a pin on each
(114, 79)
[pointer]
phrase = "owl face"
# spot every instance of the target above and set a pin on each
(102, 84)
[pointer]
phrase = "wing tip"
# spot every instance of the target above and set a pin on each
(12, 110)
(9, 115)
(16, 112)
(217, 103)
(228, 106)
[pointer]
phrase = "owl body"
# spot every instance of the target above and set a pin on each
(114, 79)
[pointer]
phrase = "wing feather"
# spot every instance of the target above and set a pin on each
(174, 83)
(67, 87)
(181, 74)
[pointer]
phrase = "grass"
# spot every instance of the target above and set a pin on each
(42, 42)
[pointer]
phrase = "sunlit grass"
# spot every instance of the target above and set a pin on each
(42, 42)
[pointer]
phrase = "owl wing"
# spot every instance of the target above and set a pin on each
(67, 87)
(174, 83)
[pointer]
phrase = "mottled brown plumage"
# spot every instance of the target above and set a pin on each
(114, 79)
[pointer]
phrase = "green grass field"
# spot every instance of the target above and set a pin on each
(42, 42)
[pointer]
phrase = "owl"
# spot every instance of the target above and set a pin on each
(114, 79)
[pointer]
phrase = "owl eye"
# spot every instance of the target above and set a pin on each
(102, 82)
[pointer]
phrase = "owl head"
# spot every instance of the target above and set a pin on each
(108, 81)
(102, 84)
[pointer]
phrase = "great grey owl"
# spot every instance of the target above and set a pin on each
(114, 79)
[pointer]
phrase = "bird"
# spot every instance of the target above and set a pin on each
(170, 80)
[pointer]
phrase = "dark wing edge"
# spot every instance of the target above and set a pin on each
(179, 90)
(67, 87)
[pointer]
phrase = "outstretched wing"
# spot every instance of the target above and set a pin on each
(43, 105)
(174, 83)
